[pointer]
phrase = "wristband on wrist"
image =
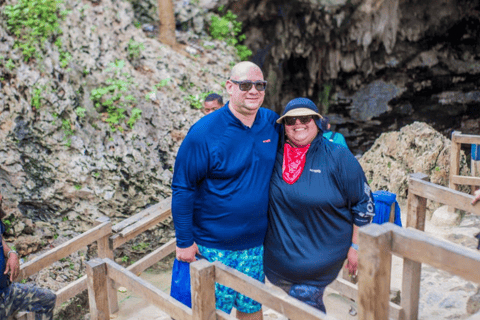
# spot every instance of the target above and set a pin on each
(11, 251)
(355, 246)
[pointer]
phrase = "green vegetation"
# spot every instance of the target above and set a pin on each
(68, 130)
(228, 28)
(140, 246)
(196, 101)
(8, 223)
(134, 49)
(37, 96)
(114, 98)
(10, 65)
(33, 22)
(65, 56)
(324, 97)
(80, 112)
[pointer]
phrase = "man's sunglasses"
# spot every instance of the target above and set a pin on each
(290, 121)
(246, 85)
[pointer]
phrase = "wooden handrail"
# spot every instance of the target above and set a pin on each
(274, 299)
(65, 249)
(379, 242)
(203, 277)
(447, 196)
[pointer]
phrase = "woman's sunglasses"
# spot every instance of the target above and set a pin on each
(290, 121)
(246, 85)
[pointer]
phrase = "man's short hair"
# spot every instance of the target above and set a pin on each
(213, 97)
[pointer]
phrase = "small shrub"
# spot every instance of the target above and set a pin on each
(228, 28)
(33, 22)
(196, 101)
(80, 112)
(114, 97)
(134, 49)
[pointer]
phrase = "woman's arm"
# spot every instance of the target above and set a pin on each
(352, 257)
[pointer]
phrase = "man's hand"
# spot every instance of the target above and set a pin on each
(13, 266)
(187, 254)
(352, 261)
(477, 197)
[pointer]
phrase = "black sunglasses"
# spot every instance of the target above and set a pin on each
(246, 85)
(290, 121)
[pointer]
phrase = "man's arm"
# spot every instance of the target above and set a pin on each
(191, 166)
(13, 264)
(477, 197)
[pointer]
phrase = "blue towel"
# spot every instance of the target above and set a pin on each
(383, 203)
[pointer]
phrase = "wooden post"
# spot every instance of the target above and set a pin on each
(416, 212)
(105, 251)
(375, 263)
(454, 163)
(416, 206)
(202, 279)
(97, 289)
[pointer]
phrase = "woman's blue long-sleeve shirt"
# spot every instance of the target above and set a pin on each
(221, 180)
(311, 221)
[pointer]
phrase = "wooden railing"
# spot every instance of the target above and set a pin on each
(455, 178)
(108, 238)
(378, 242)
(203, 277)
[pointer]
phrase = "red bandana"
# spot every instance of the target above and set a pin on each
(293, 162)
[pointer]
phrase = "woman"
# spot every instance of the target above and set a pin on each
(319, 197)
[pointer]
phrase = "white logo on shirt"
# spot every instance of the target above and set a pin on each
(316, 170)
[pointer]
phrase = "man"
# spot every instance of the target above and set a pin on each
(212, 102)
(220, 185)
(20, 297)
(335, 137)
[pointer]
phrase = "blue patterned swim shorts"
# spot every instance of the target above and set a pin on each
(25, 297)
(249, 262)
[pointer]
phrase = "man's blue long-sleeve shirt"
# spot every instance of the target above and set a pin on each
(221, 181)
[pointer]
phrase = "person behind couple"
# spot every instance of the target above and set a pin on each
(220, 185)
(17, 296)
(319, 197)
(212, 102)
(335, 137)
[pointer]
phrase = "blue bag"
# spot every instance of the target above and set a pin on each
(180, 288)
(383, 203)
(475, 152)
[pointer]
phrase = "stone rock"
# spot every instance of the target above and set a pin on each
(473, 303)
(443, 217)
(372, 100)
(415, 148)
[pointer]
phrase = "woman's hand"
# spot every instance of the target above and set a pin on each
(352, 261)
(187, 254)
(477, 197)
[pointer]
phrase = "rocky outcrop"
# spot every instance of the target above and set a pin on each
(414, 148)
(60, 159)
(376, 66)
